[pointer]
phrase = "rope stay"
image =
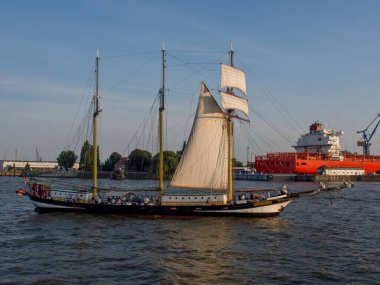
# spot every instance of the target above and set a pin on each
(145, 131)
(280, 108)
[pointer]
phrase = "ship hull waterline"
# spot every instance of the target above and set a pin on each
(239, 210)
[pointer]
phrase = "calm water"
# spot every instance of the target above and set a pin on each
(324, 239)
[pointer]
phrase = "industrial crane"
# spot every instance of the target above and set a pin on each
(367, 135)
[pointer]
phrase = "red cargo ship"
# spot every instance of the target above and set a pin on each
(315, 149)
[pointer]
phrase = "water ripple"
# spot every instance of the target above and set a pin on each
(323, 239)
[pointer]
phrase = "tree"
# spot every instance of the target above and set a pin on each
(180, 152)
(111, 161)
(171, 160)
(87, 156)
(236, 163)
(139, 160)
(66, 159)
(27, 167)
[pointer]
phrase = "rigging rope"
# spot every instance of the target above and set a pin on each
(130, 74)
(100, 145)
(142, 123)
(185, 63)
(251, 140)
(87, 91)
(198, 51)
(139, 136)
(130, 54)
(272, 126)
(194, 71)
(267, 141)
(82, 129)
(287, 116)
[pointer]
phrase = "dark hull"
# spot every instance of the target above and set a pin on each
(249, 209)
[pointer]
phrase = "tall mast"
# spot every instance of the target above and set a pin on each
(162, 108)
(230, 134)
(95, 128)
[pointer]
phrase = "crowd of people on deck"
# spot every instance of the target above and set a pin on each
(256, 197)
(127, 200)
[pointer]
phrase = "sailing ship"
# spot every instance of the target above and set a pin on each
(206, 164)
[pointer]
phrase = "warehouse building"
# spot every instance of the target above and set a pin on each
(33, 165)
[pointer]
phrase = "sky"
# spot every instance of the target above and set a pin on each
(305, 61)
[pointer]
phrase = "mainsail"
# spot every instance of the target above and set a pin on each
(204, 163)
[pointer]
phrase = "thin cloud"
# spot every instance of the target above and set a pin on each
(22, 87)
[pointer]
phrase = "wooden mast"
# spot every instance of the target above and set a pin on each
(162, 108)
(230, 135)
(95, 129)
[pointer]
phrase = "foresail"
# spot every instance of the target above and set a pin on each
(231, 101)
(204, 163)
(232, 77)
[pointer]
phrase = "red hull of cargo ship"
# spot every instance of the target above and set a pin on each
(308, 163)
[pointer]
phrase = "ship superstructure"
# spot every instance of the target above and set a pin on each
(319, 140)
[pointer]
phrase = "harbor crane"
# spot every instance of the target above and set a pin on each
(367, 135)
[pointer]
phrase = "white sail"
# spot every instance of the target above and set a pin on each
(204, 163)
(232, 77)
(231, 101)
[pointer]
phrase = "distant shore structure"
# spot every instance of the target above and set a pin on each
(33, 165)
(318, 148)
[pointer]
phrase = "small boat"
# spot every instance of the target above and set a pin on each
(206, 164)
(22, 192)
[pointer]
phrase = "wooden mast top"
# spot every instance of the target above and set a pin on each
(97, 110)
(162, 108)
(230, 136)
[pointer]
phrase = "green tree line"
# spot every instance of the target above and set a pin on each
(138, 160)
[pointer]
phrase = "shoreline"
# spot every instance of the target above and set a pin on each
(275, 178)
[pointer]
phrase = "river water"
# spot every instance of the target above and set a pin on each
(331, 238)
